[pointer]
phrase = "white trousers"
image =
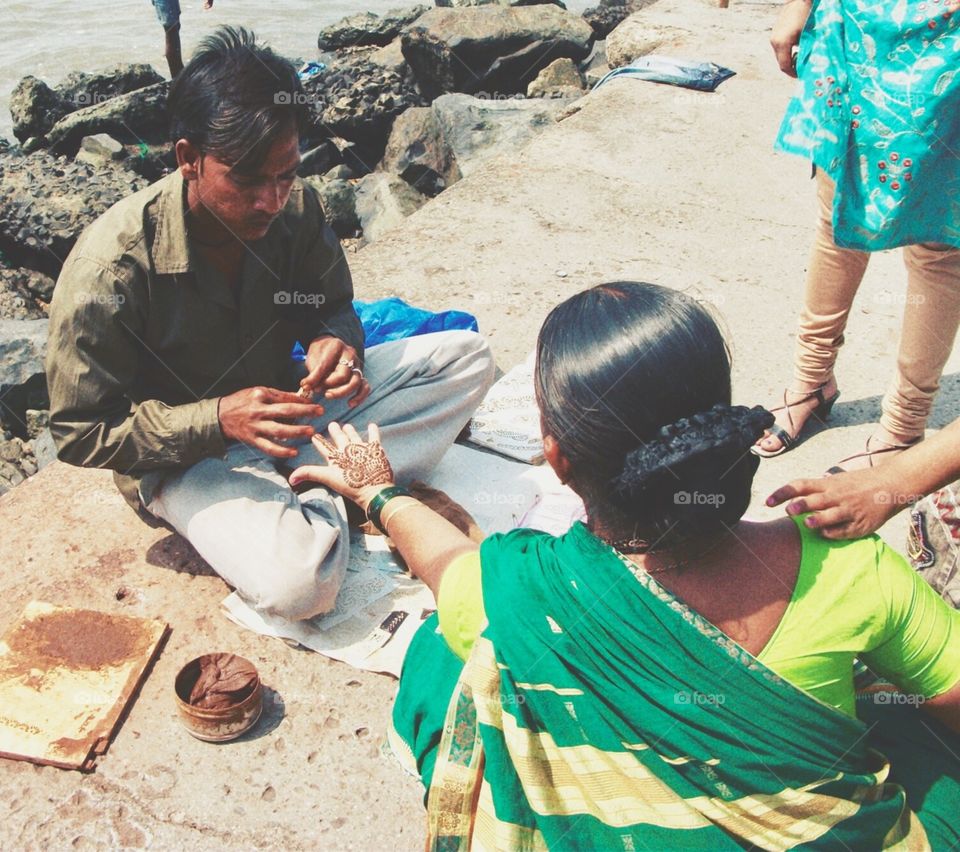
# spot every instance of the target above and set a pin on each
(287, 554)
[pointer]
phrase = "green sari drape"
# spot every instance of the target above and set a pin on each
(597, 711)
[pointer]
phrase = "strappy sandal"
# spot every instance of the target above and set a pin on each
(868, 454)
(789, 441)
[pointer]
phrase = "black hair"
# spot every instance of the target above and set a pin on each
(633, 382)
(234, 97)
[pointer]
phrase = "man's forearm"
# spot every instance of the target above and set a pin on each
(155, 435)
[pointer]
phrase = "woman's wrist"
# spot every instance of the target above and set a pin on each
(368, 492)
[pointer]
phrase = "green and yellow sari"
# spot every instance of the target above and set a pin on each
(597, 711)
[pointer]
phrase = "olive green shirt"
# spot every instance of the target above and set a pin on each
(145, 336)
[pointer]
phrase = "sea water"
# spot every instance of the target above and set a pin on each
(51, 38)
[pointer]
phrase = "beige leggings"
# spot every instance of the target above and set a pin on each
(930, 317)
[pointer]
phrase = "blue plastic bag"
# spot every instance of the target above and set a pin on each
(703, 76)
(394, 319)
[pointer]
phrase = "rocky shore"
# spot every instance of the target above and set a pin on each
(404, 105)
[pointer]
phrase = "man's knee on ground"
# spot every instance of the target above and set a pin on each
(299, 585)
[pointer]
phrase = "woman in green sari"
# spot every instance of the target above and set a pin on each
(665, 675)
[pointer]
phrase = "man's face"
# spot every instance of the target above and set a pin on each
(246, 203)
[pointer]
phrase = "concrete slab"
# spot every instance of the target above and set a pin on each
(642, 181)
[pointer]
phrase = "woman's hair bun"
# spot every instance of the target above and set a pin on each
(708, 441)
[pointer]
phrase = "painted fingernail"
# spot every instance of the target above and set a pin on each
(811, 522)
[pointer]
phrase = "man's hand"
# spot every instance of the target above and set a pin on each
(260, 417)
(332, 368)
(786, 34)
(847, 505)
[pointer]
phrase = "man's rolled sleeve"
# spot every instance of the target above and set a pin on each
(97, 323)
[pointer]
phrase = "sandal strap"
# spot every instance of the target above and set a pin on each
(869, 454)
(786, 439)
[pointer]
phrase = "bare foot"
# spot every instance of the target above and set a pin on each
(793, 416)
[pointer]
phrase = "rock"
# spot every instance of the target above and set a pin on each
(100, 148)
(604, 19)
(34, 143)
(23, 344)
(36, 422)
(16, 302)
(10, 476)
(339, 199)
(635, 37)
(561, 78)
(476, 130)
(22, 381)
(390, 57)
(383, 202)
(138, 116)
(319, 159)
(35, 108)
(418, 152)
(341, 172)
(44, 449)
(46, 202)
(358, 100)
(491, 48)
(81, 89)
(460, 3)
(366, 28)
(11, 451)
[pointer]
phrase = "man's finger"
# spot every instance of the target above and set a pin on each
(293, 410)
(350, 386)
(796, 488)
(271, 449)
(360, 395)
(285, 431)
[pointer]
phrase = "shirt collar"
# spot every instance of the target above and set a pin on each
(171, 254)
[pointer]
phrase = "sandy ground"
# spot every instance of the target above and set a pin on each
(643, 181)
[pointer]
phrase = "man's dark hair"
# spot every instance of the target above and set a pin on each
(234, 97)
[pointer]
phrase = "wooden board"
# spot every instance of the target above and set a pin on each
(66, 678)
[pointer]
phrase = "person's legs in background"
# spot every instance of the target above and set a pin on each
(168, 12)
(833, 277)
(931, 315)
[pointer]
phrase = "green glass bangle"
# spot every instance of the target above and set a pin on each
(380, 499)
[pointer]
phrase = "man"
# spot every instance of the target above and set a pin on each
(172, 327)
(168, 13)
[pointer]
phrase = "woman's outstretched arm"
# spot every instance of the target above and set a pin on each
(427, 541)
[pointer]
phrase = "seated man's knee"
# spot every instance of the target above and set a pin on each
(301, 583)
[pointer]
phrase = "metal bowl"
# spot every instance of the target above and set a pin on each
(221, 724)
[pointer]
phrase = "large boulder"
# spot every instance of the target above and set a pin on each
(81, 89)
(138, 116)
(35, 108)
(358, 100)
(46, 201)
(383, 202)
(637, 37)
(418, 152)
(476, 130)
(605, 19)
(367, 29)
(491, 49)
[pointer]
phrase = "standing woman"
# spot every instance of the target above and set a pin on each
(878, 114)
